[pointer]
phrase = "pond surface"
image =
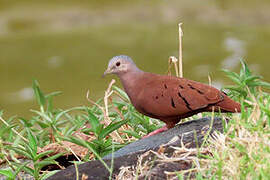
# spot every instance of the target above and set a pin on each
(67, 48)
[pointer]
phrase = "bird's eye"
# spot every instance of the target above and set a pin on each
(118, 64)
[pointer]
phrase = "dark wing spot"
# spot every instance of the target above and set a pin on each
(191, 87)
(165, 86)
(184, 99)
(156, 97)
(199, 91)
(172, 103)
(181, 86)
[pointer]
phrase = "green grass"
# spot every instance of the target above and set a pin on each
(242, 151)
(27, 137)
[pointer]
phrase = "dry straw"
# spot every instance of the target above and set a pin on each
(173, 60)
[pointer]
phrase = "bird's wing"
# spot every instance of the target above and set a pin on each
(168, 96)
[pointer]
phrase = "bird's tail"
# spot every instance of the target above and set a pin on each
(227, 105)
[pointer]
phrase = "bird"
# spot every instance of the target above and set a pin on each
(166, 97)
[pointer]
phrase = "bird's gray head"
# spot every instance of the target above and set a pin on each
(120, 65)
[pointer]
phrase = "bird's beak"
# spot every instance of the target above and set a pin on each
(108, 71)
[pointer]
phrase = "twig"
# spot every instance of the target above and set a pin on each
(112, 162)
(105, 110)
(180, 172)
(169, 73)
(69, 148)
(180, 51)
(94, 103)
(120, 96)
(209, 80)
(108, 93)
(77, 171)
(173, 60)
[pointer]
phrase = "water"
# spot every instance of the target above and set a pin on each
(67, 48)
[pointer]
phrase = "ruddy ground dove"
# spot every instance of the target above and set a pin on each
(167, 98)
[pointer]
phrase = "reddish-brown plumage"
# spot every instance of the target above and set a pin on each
(169, 98)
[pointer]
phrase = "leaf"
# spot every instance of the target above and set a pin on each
(233, 76)
(46, 175)
(20, 168)
(93, 120)
(42, 124)
(116, 147)
(43, 163)
(237, 81)
(54, 157)
(38, 93)
(245, 68)
(5, 129)
(25, 122)
(25, 168)
(43, 115)
(21, 151)
(142, 121)
(121, 92)
(62, 122)
(264, 84)
(238, 90)
(53, 94)
(231, 73)
(266, 110)
(118, 104)
(76, 162)
(87, 130)
(71, 109)
(100, 128)
(251, 78)
(132, 133)
(108, 142)
(32, 142)
(74, 140)
(99, 144)
(78, 141)
(49, 97)
(7, 172)
(42, 154)
(111, 127)
(69, 130)
(50, 104)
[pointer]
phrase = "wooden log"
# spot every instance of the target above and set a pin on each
(128, 155)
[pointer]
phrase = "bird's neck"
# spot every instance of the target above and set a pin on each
(130, 81)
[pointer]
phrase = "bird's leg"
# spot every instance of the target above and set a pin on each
(164, 128)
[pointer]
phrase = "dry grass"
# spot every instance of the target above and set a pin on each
(107, 102)
(241, 152)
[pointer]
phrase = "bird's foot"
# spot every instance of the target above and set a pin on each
(164, 128)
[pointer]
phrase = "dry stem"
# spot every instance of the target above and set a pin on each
(180, 51)
(115, 135)
(173, 59)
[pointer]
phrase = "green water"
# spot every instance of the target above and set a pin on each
(66, 45)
